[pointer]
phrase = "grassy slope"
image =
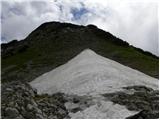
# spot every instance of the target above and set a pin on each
(53, 44)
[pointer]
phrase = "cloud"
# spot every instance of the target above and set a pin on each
(135, 22)
(20, 18)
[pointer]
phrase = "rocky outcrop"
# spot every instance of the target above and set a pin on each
(139, 98)
(19, 100)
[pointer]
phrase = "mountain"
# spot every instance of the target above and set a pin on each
(53, 44)
(63, 70)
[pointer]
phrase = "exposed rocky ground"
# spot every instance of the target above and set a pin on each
(19, 100)
(139, 98)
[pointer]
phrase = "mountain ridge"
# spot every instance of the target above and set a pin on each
(53, 44)
(42, 26)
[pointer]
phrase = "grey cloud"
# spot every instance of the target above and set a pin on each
(136, 23)
(17, 25)
(39, 7)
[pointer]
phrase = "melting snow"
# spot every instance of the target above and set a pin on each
(103, 110)
(91, 74)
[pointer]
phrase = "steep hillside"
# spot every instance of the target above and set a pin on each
(52, 44)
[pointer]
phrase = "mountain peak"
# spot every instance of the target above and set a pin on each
(64, 41)
(87, 53)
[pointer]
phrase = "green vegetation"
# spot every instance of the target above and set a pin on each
(53, 44)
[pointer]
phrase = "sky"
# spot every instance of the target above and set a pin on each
(133, 21)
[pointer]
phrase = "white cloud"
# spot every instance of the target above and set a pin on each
(135, 22)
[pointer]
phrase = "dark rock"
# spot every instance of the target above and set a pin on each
(30, 107)
(144, 115)
(76, 100)
(74, 110)
(11, 113)
(39, 116)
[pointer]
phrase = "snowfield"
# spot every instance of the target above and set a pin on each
(92, 75)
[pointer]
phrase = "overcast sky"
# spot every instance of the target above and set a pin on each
(134, 22)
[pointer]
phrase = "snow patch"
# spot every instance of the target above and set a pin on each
(103, 110)
(91, 74)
